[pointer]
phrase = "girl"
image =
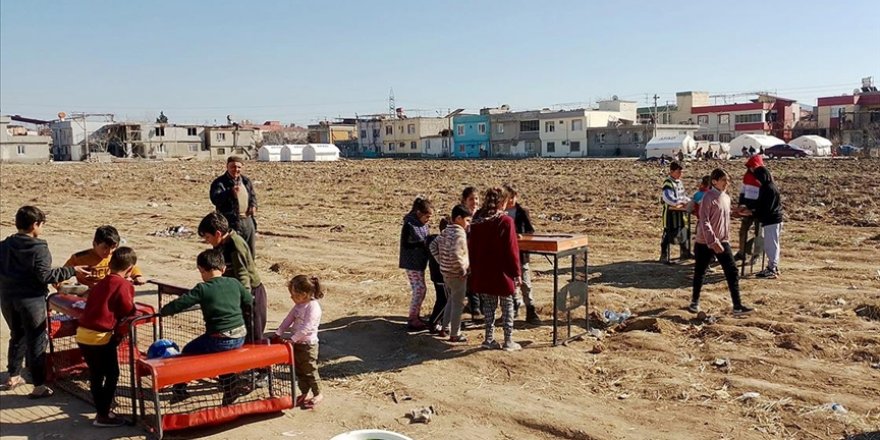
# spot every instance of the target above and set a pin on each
(713, 238)
(493, 249)
(471, 200)
(414, 257)
(768, 211)
(302, 321)
(523, 223)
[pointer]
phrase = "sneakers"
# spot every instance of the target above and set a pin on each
(491, 345)
(742, 311)
(694, 308)
(511, 346)
(768, 273)
(107, 422)
(458, 338)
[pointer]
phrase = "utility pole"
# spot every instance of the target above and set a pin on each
(655, 114)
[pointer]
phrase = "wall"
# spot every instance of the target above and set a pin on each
(35, 148)
(507, 139)
(567, 138)
(469, 141)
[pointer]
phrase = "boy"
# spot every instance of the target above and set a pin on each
(713, 238)
(673, 196)
(748, 200)
(98, 258)
(109, 301)
(451, 251)
(435, 323)
(215, 230)
(221, 300)
(25, 273)
(523, 224)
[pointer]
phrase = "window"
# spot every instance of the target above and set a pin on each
(363, 134)
(390, 146)
(221, 151)
(500, 128)
(161, 149)
(577, 125)
(193, 148)
(375, 133)
(529, 125)
(427, 144)
(221, 136)
(482, 128)
(551, 147)
(402, 145)
(410, 128)
(601, 137)
(549, 127)
(703, 119)
(412, 145)
(20, 150)
(710, 137)
(191, 131)
(724, 137)
(160, 131)
(724, 119)
(635, 137)
(575, 146)
(745, 119)
(460, 130)
(461, 148)
(389, 130)
(445, 144)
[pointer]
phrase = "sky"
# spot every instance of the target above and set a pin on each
(303, 61)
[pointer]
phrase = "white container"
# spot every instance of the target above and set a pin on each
(370, 434)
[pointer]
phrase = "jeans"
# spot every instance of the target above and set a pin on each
(526, 286)
(103, 374)
(750, 247)
(456, 289)
(439, 305)
(211, 344)
(248, 231)
(703, 255)
(26, 319)
(771, 240)
(670, 235)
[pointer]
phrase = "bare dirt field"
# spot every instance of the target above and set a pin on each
(814, 340)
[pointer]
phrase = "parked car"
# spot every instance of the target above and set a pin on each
(785, 150)
(849, 150)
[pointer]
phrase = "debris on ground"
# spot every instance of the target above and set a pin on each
(749, 396)
(179, 231)
(422, 415)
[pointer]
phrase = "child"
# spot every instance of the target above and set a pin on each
(495, 270)
(769, 213)
(221, 300)
(25, 272)
(705, 184)
(673, 195)
(98, 258)
(451, 251)
(713, 238)
(471, 199)
(215, 230)
(414, 257)
(748, 199)
(109, 301)
(302, 321)
(523, 224)
(435, 322)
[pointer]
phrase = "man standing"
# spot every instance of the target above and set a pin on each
(674, 200)
(234, 197)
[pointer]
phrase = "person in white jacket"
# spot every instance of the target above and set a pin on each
(451, 251)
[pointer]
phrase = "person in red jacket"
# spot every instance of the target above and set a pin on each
(111, 300)
(495, 266)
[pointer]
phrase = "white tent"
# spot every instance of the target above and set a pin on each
(320, 153)
(817, 145)
(753, 140)
(269, 153)
(292, 153)
(670, 146)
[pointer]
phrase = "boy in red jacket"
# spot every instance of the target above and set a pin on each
(111, 300)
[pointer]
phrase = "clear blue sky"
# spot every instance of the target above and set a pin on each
(299, 61)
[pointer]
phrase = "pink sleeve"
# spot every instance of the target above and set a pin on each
(306, 330)
(706, 218)
(288, 320)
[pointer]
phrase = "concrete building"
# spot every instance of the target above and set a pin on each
(224, 141)
(851, 119)
(370, 135)
(406, 136)
(514, 134)
(151, 140)
(471, 135)
(342, 133)
(564, 133)
(440, 145)
(765, 114)
(629, 140)
(17, 144)
(68, 137)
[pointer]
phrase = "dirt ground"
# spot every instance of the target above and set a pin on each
(814, 340)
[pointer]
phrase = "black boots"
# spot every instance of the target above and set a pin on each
(532, 316)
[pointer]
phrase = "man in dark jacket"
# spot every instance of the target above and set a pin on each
(25, 271)
(233, 195)
(523, 224)
(768, 211)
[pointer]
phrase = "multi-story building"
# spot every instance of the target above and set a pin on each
(405, 136)
(765, 114)
(224, 141)
(17, 144)
(150, 140)
(68, 137)
(564, 133)
(629, 140)
(514, 134)
(370, 134)
(471, 135)
(851, 119)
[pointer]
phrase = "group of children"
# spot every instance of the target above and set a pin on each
(475, 257)
(760, 205)
(231, 297)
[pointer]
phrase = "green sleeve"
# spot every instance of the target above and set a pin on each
(184, 302)
(246, 297)
(240, 264)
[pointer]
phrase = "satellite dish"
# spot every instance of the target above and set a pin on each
(62, 115)
(614, 97)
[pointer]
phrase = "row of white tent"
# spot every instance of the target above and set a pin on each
(298, 153)
(671, 145)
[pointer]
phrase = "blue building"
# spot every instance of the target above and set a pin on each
(470, 134)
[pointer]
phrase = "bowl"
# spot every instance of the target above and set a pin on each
(370, 434)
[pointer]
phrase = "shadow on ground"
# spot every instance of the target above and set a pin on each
(648, 274)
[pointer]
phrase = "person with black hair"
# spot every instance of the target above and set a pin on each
(97, 258)
(233, 195)
(470, 198)
(451, 252)
(768, 211)
(414, 257)
(522, 221)
(673, 195)
(25, 273)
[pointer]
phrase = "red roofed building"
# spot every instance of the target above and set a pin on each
(765, 114)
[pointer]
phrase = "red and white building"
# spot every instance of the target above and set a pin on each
(765, 114)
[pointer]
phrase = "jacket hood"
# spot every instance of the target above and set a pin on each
(763, 176)
(24, 243)
(756, 161)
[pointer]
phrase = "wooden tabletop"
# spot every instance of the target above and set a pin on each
(552, 243)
